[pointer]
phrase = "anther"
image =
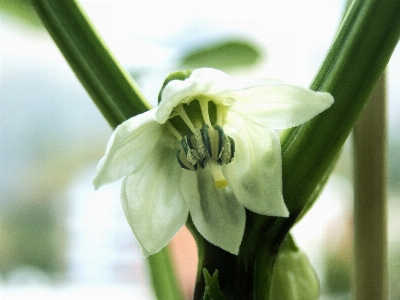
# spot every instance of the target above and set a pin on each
(183, 161)
(213, 140)
(228, 151)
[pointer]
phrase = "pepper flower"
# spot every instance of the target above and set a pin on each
(209, 149)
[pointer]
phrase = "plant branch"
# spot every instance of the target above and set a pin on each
(110, 86)
(112, 89)
(361, 49)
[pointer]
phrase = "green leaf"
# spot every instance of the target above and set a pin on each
(212, 290)
(224, 55)
(112, 89)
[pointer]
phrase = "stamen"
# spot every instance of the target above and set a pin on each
(182, 113)
(213, 140)
(174, 131)
(204, 111)
(219, 179)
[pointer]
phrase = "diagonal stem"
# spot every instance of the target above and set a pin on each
(111, 88)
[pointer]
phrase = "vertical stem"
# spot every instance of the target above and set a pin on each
(235, 273)
(370, 204)
(235, 279)
(163, 277)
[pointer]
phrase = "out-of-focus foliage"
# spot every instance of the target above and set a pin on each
(394, 165)
(338, 276)
(224, 55)
(29, 237)
(338, 263)
(21, 10)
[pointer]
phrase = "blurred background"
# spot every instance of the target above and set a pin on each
(60, 237)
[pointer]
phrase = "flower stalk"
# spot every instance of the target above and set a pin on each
(370, 201)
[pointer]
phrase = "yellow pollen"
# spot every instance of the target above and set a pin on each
(219, 178)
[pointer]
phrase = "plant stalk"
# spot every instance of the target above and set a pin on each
(370, 201)
(109, 85)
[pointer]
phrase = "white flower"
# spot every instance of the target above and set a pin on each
(208, 149)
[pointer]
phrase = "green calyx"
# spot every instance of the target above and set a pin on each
(177, 75)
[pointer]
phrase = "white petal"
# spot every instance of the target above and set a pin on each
(255, 173)
(244, 84)
(128, 146)
(152, 201)
(202, 82)
(279, 106)
(215, 212)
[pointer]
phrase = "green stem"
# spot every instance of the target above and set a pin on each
(112, 89)
(163, 276)
(357, 57)
(235, 280)
(235, 275)
(370, 202)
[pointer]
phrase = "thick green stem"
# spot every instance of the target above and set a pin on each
(370, 202)
(359, 54)
(112, 89)
(235, 278)
(235, 274)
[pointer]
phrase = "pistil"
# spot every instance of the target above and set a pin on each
(219, 178)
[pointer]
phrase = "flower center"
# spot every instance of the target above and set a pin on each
(205, 144)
